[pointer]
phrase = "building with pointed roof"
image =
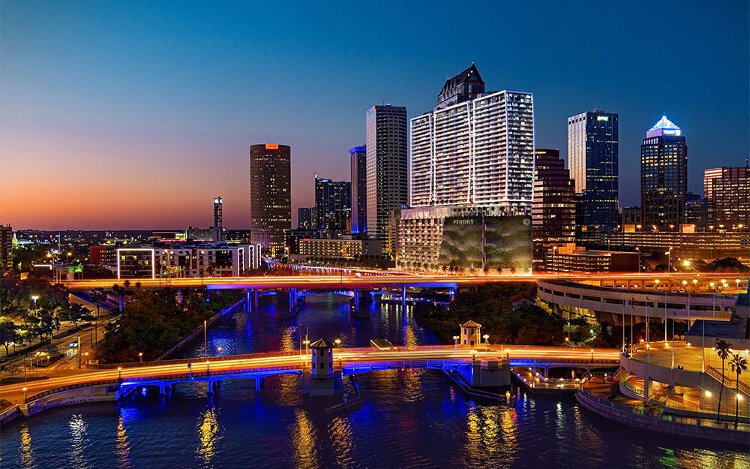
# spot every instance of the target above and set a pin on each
(465, 86)
(664, 176)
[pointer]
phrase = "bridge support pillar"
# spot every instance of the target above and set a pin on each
(403, 302)
(259, 383)
(356, 300)
(255, 299)
(210, 389)
(247, 301)
(646, 385)
(545, 372)
(451, 294)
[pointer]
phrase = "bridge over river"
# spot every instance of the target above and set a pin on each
(71, 387)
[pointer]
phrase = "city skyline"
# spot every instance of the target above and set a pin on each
(176, 106)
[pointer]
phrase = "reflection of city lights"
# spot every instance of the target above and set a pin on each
(208, 431)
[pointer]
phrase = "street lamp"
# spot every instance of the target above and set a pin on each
(24, 393)
(337, 342)
(140, 357)
(119, 373)
(34, 298)
(455, 341)
(486, 338)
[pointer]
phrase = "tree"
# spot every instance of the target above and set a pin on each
(738, 364)
(120, 292)
(722, 350)
(8, 334)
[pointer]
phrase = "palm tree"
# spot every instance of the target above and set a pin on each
(738, 364)
(722, 350)
(120, 292)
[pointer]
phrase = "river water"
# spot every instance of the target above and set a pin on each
(409, 418)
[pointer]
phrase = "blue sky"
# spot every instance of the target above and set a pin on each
(149, 107)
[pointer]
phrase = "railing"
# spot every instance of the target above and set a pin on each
(648, 411)
(728, 381)
(68, 388)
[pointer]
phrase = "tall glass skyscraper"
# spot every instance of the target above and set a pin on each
(333, 204)
(359, 189)
(387, 160)
(474, 148)
(664, 176)
(727, 192)
(270, 195)
(593, 154)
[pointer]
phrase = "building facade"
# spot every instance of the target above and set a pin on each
(696, 211)
(186, 260)
(218, 227)
(631, 216)
(463, 239)
(6, 249)
(387, 163)
(577, 259)
(664, 176)
(333, 206)
(307, 218)
(727, 192)
(270, 195)
(553, 218)
(342, 248)
(593, 160)
(474, 148)
(358, 156)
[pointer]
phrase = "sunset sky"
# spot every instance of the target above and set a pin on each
(117, 115)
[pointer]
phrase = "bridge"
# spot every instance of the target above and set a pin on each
(118, 378)
(328, 282)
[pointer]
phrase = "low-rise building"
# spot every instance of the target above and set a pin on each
(102, 254)
(187, 260)
(706, 246)
(571, 258)
(343, 248)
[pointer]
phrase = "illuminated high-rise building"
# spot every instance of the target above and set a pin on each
(553, 216)
(307, 218)
(218, 223)
(727, 192)
(664, 159)
(6, 249)
(358, 157)
(387, 160)
(474, 148)
(270, 195)
(333, 206)
(593, 160)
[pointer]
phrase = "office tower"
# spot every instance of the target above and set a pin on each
(663, 176)
(387, 161)
(631, 216)
(307, 218)
(218, 225)
(696, 211)
(333, 206)
(6, 247)
(270, 195)
(474, 148)
(727, 191)
(553, 211)
(358, 157)
(593, 155)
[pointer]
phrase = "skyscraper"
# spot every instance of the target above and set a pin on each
(387, 162)
(218, 224)
(474, 148)
(333, 206)
(6, 247)
(553, 215)
(359, 189)
(664, 176)
(307, 218)
(270, 195)
(727, 192)
(593, 154)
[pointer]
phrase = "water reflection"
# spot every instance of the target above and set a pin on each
(304, 440)
(78, 441)
(342, 439)
(27, 454)
(122, 446)
(208, 432)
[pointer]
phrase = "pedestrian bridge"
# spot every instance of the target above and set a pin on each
(120, 377)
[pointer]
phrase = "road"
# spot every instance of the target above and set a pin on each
(248, 363)
(389, 281)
